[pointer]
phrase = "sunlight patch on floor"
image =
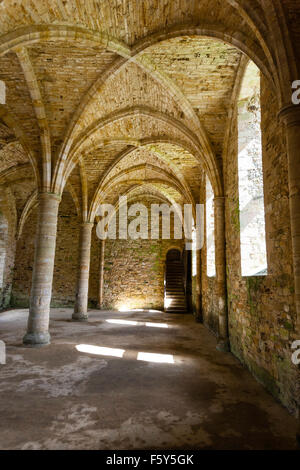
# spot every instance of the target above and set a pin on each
(117, 321)
(100, 351)
(152, 357)
(141, 356)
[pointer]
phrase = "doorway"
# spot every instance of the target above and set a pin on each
(174, 295)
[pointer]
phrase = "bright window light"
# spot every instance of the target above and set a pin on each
(124, 308)
(251, 206)
(151, 357)
(100, 351)
(210, 230)
(168, 302)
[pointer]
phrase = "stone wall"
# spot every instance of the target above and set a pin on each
(94, 270)
(8, 226)
(209, 298)
(66, 254)
(24, 262)
(261, 309)
(134, 271)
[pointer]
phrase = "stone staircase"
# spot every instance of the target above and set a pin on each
(175, 299)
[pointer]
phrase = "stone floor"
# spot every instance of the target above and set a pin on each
(63, 397)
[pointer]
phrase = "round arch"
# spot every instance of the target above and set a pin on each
(163, 197)
(38, 33)
(192, 145)
(125, 153)
(113, 181)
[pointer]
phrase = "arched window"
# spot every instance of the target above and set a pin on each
(210, 230)
(3, 241)
(250, 171)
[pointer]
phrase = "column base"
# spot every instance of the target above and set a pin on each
(36, 339)
(80, 317)
(223, 345)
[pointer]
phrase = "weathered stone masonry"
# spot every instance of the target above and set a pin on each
(140, 99)
(81, 304)
(262, 317)
(42, 277)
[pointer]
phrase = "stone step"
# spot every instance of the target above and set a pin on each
(177, 311)
(175, 298)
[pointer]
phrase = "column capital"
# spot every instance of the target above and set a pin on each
(219, 200)
(290, 115)
(87, 224)
(48, 195)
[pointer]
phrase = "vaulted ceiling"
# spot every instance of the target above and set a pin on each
(107, 97)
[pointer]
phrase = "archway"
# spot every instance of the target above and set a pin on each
(174, 286)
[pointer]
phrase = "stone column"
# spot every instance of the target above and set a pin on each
(290, 115)
(101, 273)
(199, 316)
(81, 302)
(41, 288)
(220, 256)
(2, 92)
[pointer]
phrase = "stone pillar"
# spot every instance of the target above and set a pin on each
(2, 92)
(220, 255)
(290, 115)
(199, 316)
(101, 273)
(81, 302)
(41, 288)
